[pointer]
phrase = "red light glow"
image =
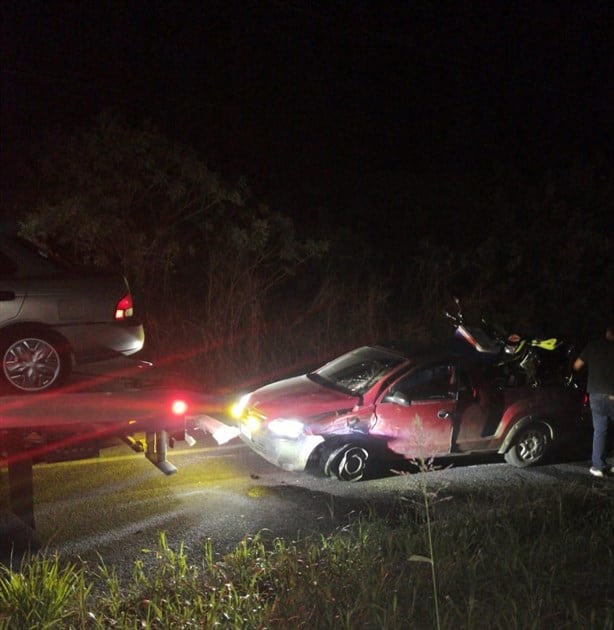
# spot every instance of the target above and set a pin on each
(124, 307)
(179, 407)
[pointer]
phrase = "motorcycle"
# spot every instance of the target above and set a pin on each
(519, 359)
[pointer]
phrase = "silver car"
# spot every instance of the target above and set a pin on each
(53, 317)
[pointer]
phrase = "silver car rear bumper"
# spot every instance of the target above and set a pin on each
(98, 341)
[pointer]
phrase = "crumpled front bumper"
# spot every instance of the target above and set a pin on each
(289, 454)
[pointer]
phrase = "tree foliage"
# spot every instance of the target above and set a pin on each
(230, 281)
(549, 265)
(536, 254)
(195, 248)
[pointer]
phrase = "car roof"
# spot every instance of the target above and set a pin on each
(21, 257)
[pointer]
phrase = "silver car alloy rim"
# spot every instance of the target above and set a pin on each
(353, 463)
(31, 364)
(531, 446)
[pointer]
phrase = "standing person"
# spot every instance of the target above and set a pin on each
(598, 356)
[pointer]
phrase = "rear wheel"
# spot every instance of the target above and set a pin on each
(33, 360)
(530, 446)
(347, 463)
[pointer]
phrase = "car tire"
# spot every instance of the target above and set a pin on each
(33, 360)
(347, 462)
(529, 447)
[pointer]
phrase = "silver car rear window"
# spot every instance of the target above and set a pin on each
(19, 259)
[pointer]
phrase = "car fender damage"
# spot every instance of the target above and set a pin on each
(289, 454)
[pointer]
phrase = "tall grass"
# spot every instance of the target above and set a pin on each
(44, 594)
(286, 335)
(529, 560)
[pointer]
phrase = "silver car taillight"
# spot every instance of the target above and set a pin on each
(124, 307)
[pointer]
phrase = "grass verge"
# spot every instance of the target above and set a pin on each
(535, 560)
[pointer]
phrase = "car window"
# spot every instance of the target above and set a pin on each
(19, 258)
(427, 383)
(357, 371)
(7, 266)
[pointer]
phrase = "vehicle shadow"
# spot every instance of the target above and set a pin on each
(570, 451)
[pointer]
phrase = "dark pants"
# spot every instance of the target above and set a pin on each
(602, 410)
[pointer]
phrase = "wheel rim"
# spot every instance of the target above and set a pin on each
(31, 364)
(532, 445)
(352, 464)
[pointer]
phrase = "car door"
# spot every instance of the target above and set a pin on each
(480, 404)
(415, 413)
(477, 417)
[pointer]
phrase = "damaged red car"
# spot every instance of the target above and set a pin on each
(387, 403)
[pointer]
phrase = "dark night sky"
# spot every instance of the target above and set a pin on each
(298, 90)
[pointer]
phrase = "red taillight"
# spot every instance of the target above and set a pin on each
(179, 407)
(124, 307)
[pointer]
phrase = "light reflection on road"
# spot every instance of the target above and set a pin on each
(116, 505)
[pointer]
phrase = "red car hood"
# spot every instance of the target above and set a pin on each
(298, 397)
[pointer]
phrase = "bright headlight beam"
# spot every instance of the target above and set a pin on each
(253, 423)
(286, 427)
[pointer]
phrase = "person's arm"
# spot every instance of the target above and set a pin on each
(578, 364)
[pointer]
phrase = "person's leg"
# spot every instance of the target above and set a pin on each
(609, 441)
(600, 430)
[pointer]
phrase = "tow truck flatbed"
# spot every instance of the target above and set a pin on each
(117, 399)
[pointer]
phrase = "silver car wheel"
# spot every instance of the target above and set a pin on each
(530, 447)
(347, 463)
(31, 364)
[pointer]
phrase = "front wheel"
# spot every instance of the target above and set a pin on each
(33, 360)
(529, 447)
(347, 463)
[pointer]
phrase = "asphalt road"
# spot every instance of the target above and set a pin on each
(114, 506)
